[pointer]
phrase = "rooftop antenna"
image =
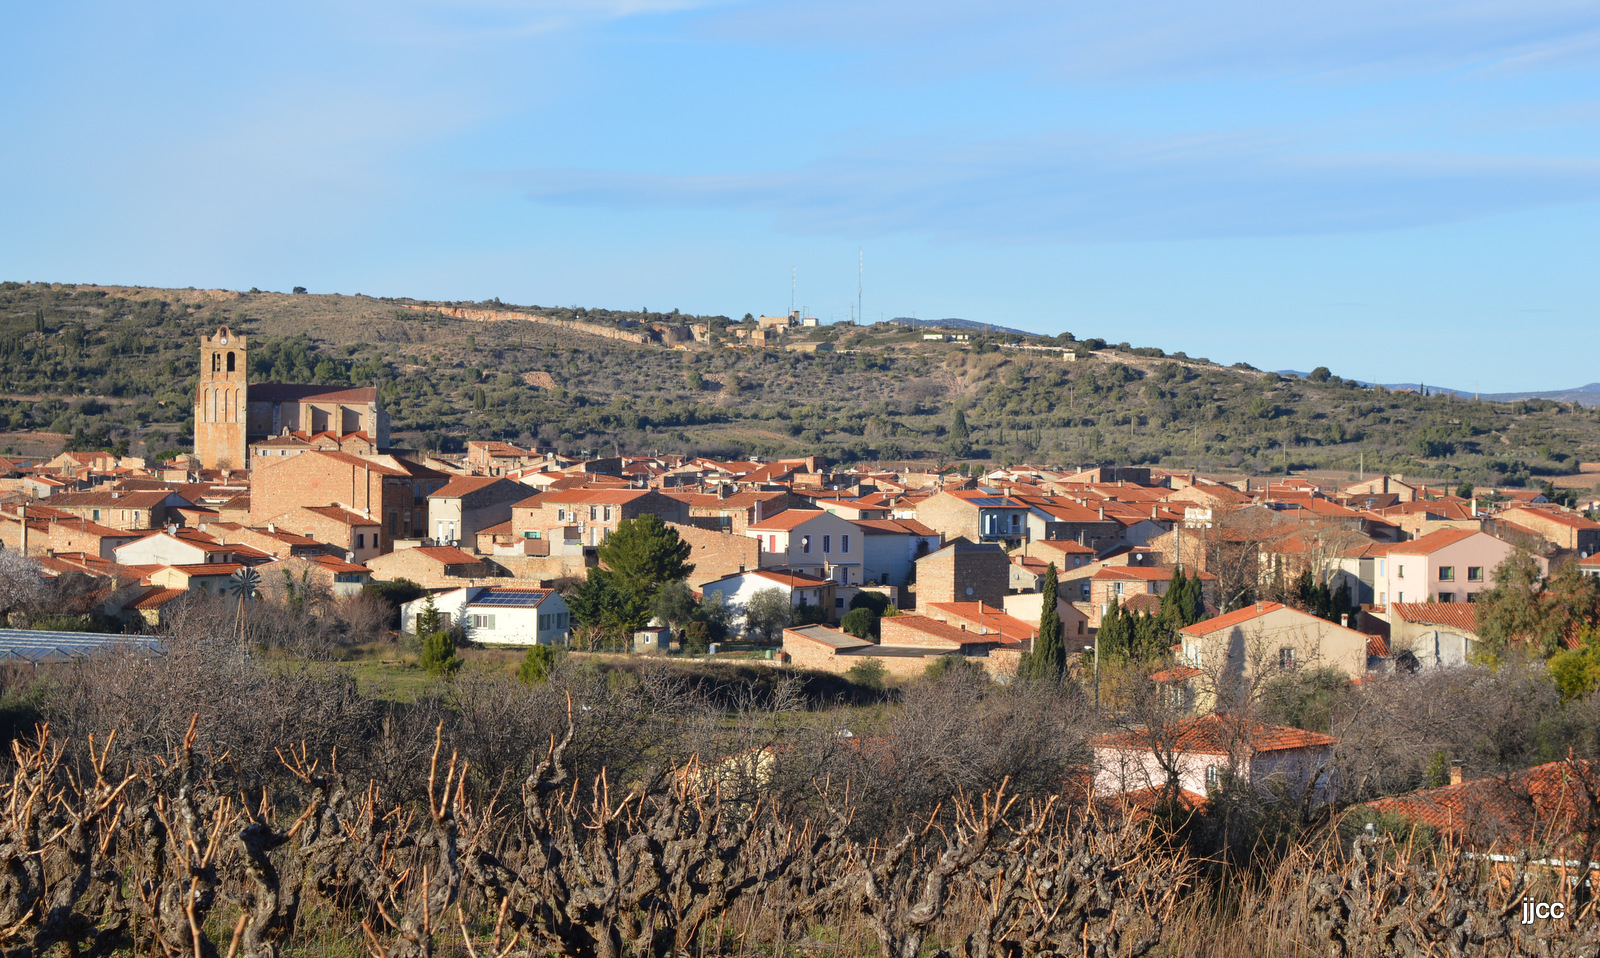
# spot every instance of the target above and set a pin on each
(861, 266)
(791, 289)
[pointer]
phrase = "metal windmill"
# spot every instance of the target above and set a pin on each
(242, 586)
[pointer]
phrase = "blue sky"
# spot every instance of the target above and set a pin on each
(1399, 191)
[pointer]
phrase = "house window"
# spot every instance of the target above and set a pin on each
(1399, 596)
(482, 621)
(1381, 566)
(1399, 572)
(544, 622)
(1286, 658)
(608, 513)
(1080, 626)
(827, 544)
(1472, 596)
(838, 603)
(561, 515)
(1086, 590)
(361, 540)
(844, 543)
(1213, 777)
(1447, 573)
(594, 513)
(1474, 573)
(1116, 587)
(772, 543)
(1447, 597)
(805, 544)
(96, 517)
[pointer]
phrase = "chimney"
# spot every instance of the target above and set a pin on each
(1474, 507)
(1455, 774)
(272, 527)
(1152, 512)
(1344, 620)
(1102, 513)
(22, 513)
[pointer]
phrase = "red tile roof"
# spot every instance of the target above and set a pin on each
(1455, 615)
(157, 597)
(1177, 673)
(464, 485)
(1546, 802)
(1145, 573)
(786, 520)
(1432, 542)
(343, 516)
(1216, 734)
(1230, 619)
(449, 555)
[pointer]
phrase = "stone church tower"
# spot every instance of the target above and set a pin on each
(222, 402)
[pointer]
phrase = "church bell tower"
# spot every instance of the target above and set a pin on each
(222, 402)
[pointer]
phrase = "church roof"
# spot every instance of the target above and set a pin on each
(311, 392)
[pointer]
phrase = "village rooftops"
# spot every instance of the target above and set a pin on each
(1540, 803)
(889, 527)
(1216, 734)
(449, 555)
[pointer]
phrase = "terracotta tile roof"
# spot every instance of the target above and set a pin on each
(112, 498)
(1455, 615)
(1144, 602)
(1545, 802)
(463, 485)
(1230, 619)
(786, 520)
(303, 392)
(986, 616)
(449, 555)
(1065, 546)
(926, 625)
(334, 564)
(590, 495)
(208, 568)
(343, 516)
(1178, 673)
(1432, 542)
(788, 577)
(909, 527)
(156, 597)
(1145, 573)
(1217, 734)
(1572, 520)
(498, 529)
(1377, 645)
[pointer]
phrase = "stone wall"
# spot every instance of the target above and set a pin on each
(649, 335)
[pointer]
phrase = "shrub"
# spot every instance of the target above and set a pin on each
(860, 623)
(439, 654)
(536, 665)
(868, 673)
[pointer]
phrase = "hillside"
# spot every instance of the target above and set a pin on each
(107, 365)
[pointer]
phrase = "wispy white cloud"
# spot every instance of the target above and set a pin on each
(1067, 188)
(1151, 40)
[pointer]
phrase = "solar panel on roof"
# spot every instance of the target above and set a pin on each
(508, 598)
(29, 645)
(991, 502)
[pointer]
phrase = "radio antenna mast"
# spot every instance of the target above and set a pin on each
(861, 265)
(791, 289)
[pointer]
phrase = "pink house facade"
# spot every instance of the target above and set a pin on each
(1451, 565)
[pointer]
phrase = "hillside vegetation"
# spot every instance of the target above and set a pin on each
(116, 366)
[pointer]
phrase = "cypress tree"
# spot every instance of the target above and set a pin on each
(1049, 659)
(1113, 637)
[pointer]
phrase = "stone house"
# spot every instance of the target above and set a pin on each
(717, 554)
(374, 490)
(976, 515)
(431, 566)
(1563, 528)
(586, 515)
(123, 510)
(964, 571)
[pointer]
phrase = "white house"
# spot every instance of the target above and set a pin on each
(811, 541)
(177, 547)
(738, 589)
(497, 615)
(890, 548)
(1208, 751)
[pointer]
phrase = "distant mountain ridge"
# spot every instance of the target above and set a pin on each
(960, 324)
(1586, 395)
